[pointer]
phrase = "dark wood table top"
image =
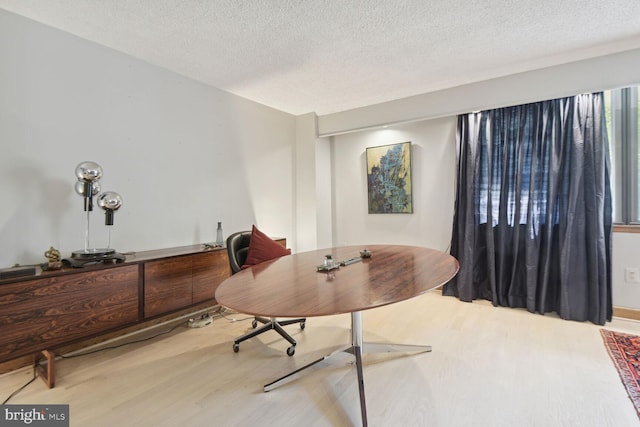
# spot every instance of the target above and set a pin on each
(290, 286)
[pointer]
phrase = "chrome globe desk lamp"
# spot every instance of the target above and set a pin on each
(88, 186)
(110, 201)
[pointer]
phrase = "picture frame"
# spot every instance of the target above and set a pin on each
(389, 186)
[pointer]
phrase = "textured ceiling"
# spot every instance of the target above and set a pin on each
(326, 56)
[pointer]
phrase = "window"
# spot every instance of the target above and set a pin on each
(623, 124)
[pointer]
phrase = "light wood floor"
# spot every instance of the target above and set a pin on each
(489, 367)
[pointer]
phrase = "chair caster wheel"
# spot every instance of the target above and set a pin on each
(302, 325)
(236, 347)
(291, 350)
(254, 324)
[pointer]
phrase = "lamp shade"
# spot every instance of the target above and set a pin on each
(110, 200)
(81, 188)
(89, 171)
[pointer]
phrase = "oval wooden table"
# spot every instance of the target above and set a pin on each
(291, 286)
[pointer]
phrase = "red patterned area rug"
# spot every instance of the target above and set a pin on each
(624, 350)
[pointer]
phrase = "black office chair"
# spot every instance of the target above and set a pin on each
(237, 249)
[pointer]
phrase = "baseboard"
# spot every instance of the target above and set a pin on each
(627, 313)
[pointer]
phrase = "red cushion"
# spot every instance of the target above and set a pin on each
(263, 248)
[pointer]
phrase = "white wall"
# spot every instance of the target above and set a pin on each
(305, 182)
(182, 155)
(325, 182)
(626, 253)
(433, 183)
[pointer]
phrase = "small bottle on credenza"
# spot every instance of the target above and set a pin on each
(219, 234)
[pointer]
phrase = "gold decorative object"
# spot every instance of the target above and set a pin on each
(53, 255)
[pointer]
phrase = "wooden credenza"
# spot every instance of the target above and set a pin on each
(178, 282)
(55, 308)
(43, 313)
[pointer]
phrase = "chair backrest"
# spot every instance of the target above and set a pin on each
(237, 249)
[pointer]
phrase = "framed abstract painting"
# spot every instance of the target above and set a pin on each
(389, 178)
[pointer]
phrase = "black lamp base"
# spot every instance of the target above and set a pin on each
(84, 258)
(92, 253)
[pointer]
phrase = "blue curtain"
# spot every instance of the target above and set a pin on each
(532, 225)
